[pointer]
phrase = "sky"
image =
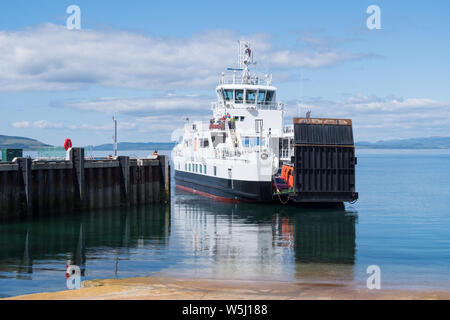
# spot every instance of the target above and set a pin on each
(153, 64)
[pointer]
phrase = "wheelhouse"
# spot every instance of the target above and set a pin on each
(261, 97)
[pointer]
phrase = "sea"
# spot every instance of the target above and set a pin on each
(399, 227)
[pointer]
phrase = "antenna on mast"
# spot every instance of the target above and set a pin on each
(115, 136)
(245, 54)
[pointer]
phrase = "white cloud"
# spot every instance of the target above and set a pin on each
(44, 124)
(104, 127)
(374, 117)
(50, 57)
(40, 124)
(21, 124)
(141, 106)
(390, 117)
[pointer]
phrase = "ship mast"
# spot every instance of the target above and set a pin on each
(245, 59)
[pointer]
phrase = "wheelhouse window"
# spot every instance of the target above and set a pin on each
(261, 96)
(270, 96)
(250, 96)
(239, 96)
(228, 95)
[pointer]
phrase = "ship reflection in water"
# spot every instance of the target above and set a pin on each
(255, 241)
(197, 237)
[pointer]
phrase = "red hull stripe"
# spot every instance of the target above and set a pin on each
(209, 195)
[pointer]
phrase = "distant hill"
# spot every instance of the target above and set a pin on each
(10, 142)
(150, 146)
(414, 143)
(28, 144)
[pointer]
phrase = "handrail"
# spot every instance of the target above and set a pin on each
(260, 105)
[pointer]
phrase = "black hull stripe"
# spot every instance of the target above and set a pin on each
(236, 189)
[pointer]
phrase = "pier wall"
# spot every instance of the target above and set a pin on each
(30, 187)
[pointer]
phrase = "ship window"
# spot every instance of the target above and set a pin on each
(228, 95)
(185, 167)
(239, 96)
(204, 169)
(204, 143)
(261, 96)
(189, 167)
(260, 141)
(269, 96)
(246, 142)
(215, 170)
(218, 137)
(242, 119)
(250, 96)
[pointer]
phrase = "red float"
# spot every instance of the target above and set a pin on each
(67, 144)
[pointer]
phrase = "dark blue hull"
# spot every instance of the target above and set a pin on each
(225, 188)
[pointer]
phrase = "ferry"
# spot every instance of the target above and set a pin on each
(245, 152)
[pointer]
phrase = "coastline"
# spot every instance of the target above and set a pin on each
(152, 288)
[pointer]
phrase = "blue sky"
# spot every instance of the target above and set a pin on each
(154, 64)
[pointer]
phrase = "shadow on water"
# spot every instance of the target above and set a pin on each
(69, 238)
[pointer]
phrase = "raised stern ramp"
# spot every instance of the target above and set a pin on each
(324, 161)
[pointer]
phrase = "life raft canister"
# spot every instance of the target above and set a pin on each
(67, 144)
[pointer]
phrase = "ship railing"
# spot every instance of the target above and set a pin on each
(238, 152)
(288, 129)
(228, 153)
(237, 79)
(246, 105)
(286, 153)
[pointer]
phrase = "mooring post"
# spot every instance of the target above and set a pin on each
(25, 172)
(77, 158)
(164, 164)
(125, 184)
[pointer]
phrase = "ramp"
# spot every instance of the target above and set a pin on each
(324, 161)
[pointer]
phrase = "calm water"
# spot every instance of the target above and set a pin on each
(400, 223)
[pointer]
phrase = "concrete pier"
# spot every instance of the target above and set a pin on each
(30, 187)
